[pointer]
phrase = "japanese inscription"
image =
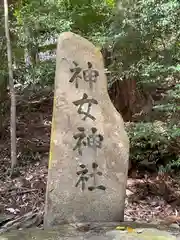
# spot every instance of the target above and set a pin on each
(83, 101)
(80, 140)
(89, 75)
(94, 175)
(76, 74)
(84, 176)
(93, 140)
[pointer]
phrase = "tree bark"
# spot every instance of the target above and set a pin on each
(12, 90)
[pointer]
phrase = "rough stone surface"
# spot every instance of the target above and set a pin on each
(66, 202)
(141, 234)
(68, 233)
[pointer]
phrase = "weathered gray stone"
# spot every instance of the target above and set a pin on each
(175, 225)
(66, 202)
(144, 234)
(66, 233)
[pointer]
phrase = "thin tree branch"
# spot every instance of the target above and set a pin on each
(12, 90)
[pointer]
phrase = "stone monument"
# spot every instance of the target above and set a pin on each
(89, 149)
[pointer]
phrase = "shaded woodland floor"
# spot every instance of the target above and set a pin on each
(149, 197)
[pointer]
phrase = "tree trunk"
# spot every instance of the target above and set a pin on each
(12, 90)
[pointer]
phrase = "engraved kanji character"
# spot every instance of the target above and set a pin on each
(90, 75)
(76, 76)
(82, 177)
(80, 136)
(93, 175)
(83, 101)
(95, 140)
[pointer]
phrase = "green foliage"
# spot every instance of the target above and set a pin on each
(156, 143)
(145, 46)
(49, 19)
(147, 138)
(40, 75)
(173, 165)
(35, 23)
(145, 38)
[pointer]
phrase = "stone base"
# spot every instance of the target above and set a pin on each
(96, 231)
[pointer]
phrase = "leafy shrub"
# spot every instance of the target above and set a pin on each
(155, 143)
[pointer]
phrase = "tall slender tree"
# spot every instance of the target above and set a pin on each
(12, 89)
